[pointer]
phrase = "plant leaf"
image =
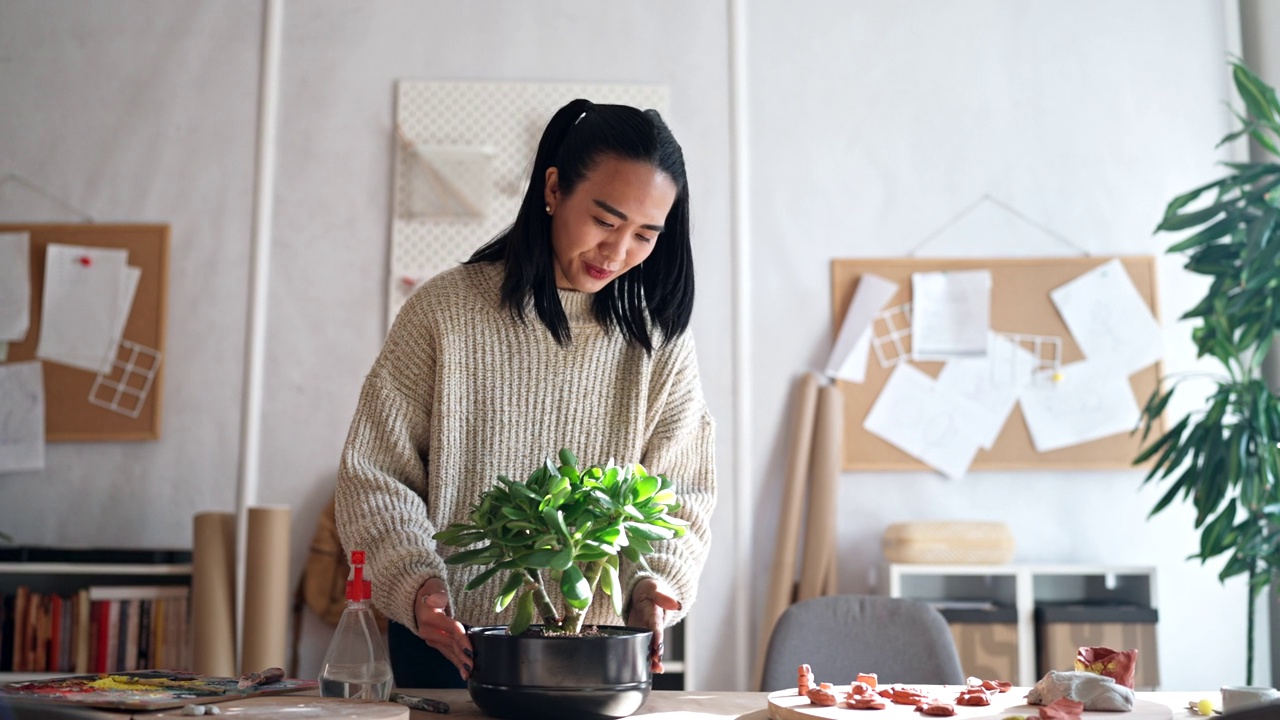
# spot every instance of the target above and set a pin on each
(524, 614)
(574, 587)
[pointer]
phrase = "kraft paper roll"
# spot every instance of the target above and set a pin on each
(782, 578)
(266, 589)
(819, 554)
(213, 594)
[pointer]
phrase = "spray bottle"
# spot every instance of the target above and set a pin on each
(356, 664)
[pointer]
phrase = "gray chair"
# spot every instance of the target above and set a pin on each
(902, 641)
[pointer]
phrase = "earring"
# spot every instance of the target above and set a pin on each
(548, 208)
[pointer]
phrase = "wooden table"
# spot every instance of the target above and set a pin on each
(689, 705)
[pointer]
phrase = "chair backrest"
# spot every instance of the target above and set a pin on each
(839, 636)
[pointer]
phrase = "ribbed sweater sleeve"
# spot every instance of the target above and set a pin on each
(681, 445)
(382, 479)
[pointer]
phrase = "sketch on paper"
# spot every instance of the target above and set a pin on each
(950, 314)
(444, 181)
(1108, 318)
(21, 417)
(918, 417)
(1086, 402)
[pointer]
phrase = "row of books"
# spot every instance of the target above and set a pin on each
(99, 629)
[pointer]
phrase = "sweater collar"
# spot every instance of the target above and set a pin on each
(577, 307)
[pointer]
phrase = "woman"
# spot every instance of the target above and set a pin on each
(567, 330)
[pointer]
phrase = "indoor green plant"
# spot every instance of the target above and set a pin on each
(1224, 456)
(568, 526)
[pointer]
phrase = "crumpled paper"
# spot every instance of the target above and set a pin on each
(1119, 666)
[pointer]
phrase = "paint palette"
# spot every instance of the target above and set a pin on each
(141, 690)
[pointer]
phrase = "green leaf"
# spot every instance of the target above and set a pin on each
(665, 497)
(646, 487)
(648, 532)
(482, 578)
(555, 520)
(567, 457)
(562, 559)
(524, 614)
(1213, 232)
(612, 586)
(514, 582)
(537, 558)
(574, 587)
(478, 556)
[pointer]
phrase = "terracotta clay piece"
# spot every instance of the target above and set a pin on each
(804, 679)
(868, 678)
(936, 709)
(822, 695)
(989, 685)
(973, 696)
(1062, 709)
(865, 701)
(903, 695)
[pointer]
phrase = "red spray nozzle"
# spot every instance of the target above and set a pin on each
(358, 589)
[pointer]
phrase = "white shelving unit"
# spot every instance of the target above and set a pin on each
(1022, 586)
(70, 576)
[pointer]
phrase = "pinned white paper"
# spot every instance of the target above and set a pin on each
(88, 293)
(1109, 319)
(950, 314)
(15, 286)
(1088, 401)
(21, 417)
(446, 182)
(848, 359)
(913, 414)
(992, 384)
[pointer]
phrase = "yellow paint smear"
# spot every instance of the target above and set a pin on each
(121, 682)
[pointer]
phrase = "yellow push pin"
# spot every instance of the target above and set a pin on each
(1058, 376)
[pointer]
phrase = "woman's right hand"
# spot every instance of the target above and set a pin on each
(437, 627)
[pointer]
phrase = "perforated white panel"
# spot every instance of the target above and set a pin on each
(504, 118)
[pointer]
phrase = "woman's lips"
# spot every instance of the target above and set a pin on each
(597, 272)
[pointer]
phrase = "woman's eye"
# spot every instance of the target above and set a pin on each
(602, 223)
(644, 238)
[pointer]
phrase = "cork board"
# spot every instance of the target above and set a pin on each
(1020, 303)
(69, 416)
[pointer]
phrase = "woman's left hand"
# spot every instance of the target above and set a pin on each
(650, 602)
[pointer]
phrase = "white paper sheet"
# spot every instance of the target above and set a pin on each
(913, 414)
(21, 417)
(992, 384)
(950, 314)
(1091, 401)
(1109, 319)
(15, 286)
(81, 316)
(848, 359)
(128, 289)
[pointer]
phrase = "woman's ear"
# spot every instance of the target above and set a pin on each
(551, 189)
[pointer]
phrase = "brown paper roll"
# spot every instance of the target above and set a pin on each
(266, 589)
(819, 554)
(782, 578)
(213, 594)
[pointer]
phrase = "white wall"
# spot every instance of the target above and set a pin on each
(871, 124)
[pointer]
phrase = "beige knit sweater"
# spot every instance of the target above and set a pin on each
(463, 392)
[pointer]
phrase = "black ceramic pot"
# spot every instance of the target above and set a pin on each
(546, 678)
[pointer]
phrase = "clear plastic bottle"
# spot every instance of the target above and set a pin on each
(356, 664)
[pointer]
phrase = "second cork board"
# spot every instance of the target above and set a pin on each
(1020, 303)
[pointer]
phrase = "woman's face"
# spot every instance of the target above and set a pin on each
(609, 224)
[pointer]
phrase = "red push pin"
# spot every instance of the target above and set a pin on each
(408, 283)
(86, 261)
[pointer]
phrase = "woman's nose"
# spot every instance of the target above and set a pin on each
(613, 250)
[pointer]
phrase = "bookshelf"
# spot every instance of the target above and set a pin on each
(149, 587)
(1024, 589)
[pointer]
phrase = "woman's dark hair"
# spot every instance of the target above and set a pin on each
(657, 293)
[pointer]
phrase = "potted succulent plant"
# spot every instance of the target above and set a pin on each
(568, 527)
(1224, 456)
